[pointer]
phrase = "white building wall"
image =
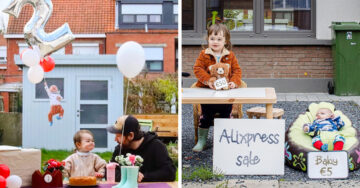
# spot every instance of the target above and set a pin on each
(328, 11)
(36, 130)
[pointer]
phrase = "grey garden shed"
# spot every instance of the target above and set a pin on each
(92, 88)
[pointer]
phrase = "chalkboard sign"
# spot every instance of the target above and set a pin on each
(249, 146)
(328, 164)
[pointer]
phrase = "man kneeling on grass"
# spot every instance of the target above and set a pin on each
(157, 165)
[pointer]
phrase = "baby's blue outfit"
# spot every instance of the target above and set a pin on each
(326, 125)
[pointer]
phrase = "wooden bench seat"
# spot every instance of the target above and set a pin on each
(261, 112)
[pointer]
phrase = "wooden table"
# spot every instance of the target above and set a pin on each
(265, 96)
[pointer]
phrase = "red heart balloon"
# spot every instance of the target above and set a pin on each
(47, 63)
(2, 182)
(4, 171)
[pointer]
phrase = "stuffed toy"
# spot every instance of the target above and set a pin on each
(219, 70)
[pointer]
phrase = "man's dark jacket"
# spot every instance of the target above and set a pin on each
(157, 165)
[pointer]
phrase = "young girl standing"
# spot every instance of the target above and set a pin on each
(218, 51)
(83, 162)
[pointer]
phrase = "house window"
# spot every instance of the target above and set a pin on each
(141, 18)
(93, 113)
(175, 12)
(141, 13)
(128, 18)
(152, 65)
(23, 46)
(176, 18)
(14, 102)
(252, 19)
(287, 15)
(154, 59)
(188, 14)
(85, 48)
(176, 59)
(93, 90)
(237, 15)
(40, 92)
(155, 18)
(2, 54)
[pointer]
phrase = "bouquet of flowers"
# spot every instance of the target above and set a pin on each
(129, 160)
(52, 165)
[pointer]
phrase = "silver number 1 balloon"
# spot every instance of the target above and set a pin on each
(34, 33)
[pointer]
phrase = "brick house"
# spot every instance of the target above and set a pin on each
(278, 43)
(100, 27)
(153, 24)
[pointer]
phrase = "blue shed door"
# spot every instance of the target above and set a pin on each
(92, 109)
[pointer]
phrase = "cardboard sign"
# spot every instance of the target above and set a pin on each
(328, 164)
(220, 83)
(249, 146)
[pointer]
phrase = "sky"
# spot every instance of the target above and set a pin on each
(3, 16)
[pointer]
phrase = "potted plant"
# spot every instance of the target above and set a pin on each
(129, 170)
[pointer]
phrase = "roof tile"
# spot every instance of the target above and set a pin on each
(83, 17)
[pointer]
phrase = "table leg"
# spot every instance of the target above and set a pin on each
(269, 111)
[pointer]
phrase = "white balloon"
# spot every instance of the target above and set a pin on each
(35, 74)
(130, 59)
(31, 57)
(13, 181)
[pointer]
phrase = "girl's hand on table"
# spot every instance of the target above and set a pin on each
(232, 85)
(211, 85)
(140, 177)
(211, 82)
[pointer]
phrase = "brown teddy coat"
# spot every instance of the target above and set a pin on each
(207, 58)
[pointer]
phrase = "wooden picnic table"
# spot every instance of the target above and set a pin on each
(250, 95)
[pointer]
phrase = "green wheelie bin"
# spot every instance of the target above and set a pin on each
(346, 54)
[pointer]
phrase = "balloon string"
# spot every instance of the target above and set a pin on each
(122, 138)
(126, 97)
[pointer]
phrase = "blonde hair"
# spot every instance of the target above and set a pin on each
(77, 136)
(216, 29)
(54, 87)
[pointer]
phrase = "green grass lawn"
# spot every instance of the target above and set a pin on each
(62, 154)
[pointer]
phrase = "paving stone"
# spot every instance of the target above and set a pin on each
(345, 183)
(234, 183)
(291, 98)
(307, 184)
(302, 98)
(258, 184)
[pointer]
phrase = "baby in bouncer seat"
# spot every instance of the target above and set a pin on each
(325, 121)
